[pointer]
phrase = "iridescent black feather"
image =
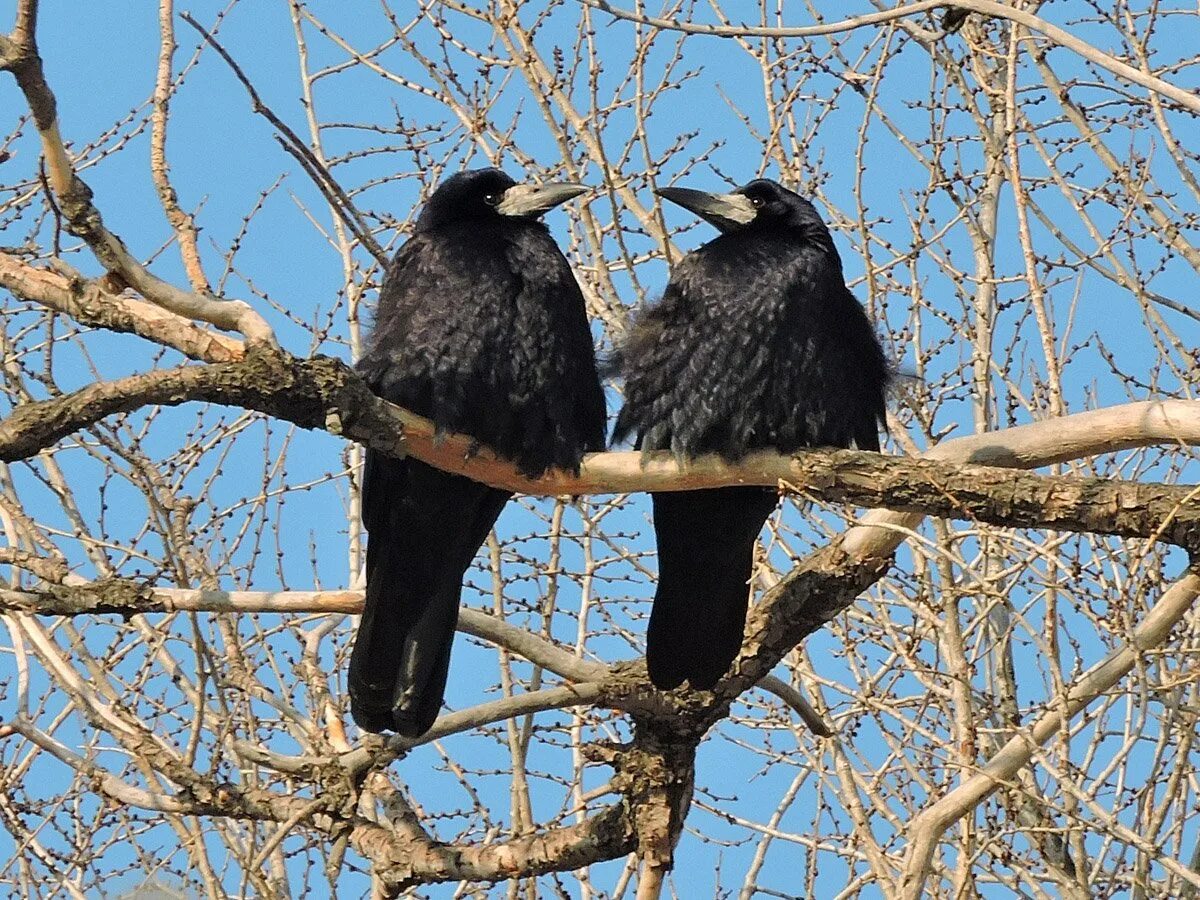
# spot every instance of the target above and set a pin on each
(757, 343)
(480, 327)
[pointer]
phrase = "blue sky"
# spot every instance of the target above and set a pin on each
(101, 59)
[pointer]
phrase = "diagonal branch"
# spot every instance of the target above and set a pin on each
(337, 197)
(19, 55)
(927, 828)
(91, 302)
(1063, 38)
(401, 859)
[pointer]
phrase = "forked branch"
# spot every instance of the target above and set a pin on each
(19, 55)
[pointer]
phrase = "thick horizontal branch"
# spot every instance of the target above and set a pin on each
(324, 393)
(822, 585)
(316, 393)
(1000, 496)
(401, 864)
(130, 598)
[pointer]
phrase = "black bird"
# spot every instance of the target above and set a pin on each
(757, 343)
(480, 327)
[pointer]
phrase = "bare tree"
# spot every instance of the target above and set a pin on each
(986, 684)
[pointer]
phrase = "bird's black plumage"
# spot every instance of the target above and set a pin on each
(757, 343)
(480, 327)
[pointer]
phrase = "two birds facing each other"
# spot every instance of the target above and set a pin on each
(481, 327)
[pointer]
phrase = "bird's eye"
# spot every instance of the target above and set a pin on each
(756, 202)
(491, 199)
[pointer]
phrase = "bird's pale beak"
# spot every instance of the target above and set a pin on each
(534, 199)
(727, 212)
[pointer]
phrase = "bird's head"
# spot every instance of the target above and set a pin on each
(490, 194)
(761, 203)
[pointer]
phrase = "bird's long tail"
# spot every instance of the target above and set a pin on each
(705, 556)
(425, 527)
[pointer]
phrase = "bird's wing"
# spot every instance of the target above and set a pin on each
(651, 360)
(556, 388)
(441, 339)
(698, 363)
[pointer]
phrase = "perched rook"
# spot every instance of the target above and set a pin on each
(756, 344)
(481, 327)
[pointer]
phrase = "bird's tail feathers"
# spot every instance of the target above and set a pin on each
(706, 553)
(425, 664)
(374, 661)
(417, 556)
(401, 654)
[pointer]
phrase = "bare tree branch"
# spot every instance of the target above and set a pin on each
(20, 56)
(927, 828)
(1059, 36)
(1016, 208)
(333, 191)
(324, 393)
(91, 302)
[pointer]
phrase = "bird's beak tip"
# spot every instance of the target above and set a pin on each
(574, 189)
(685, 197)
(535, 199)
